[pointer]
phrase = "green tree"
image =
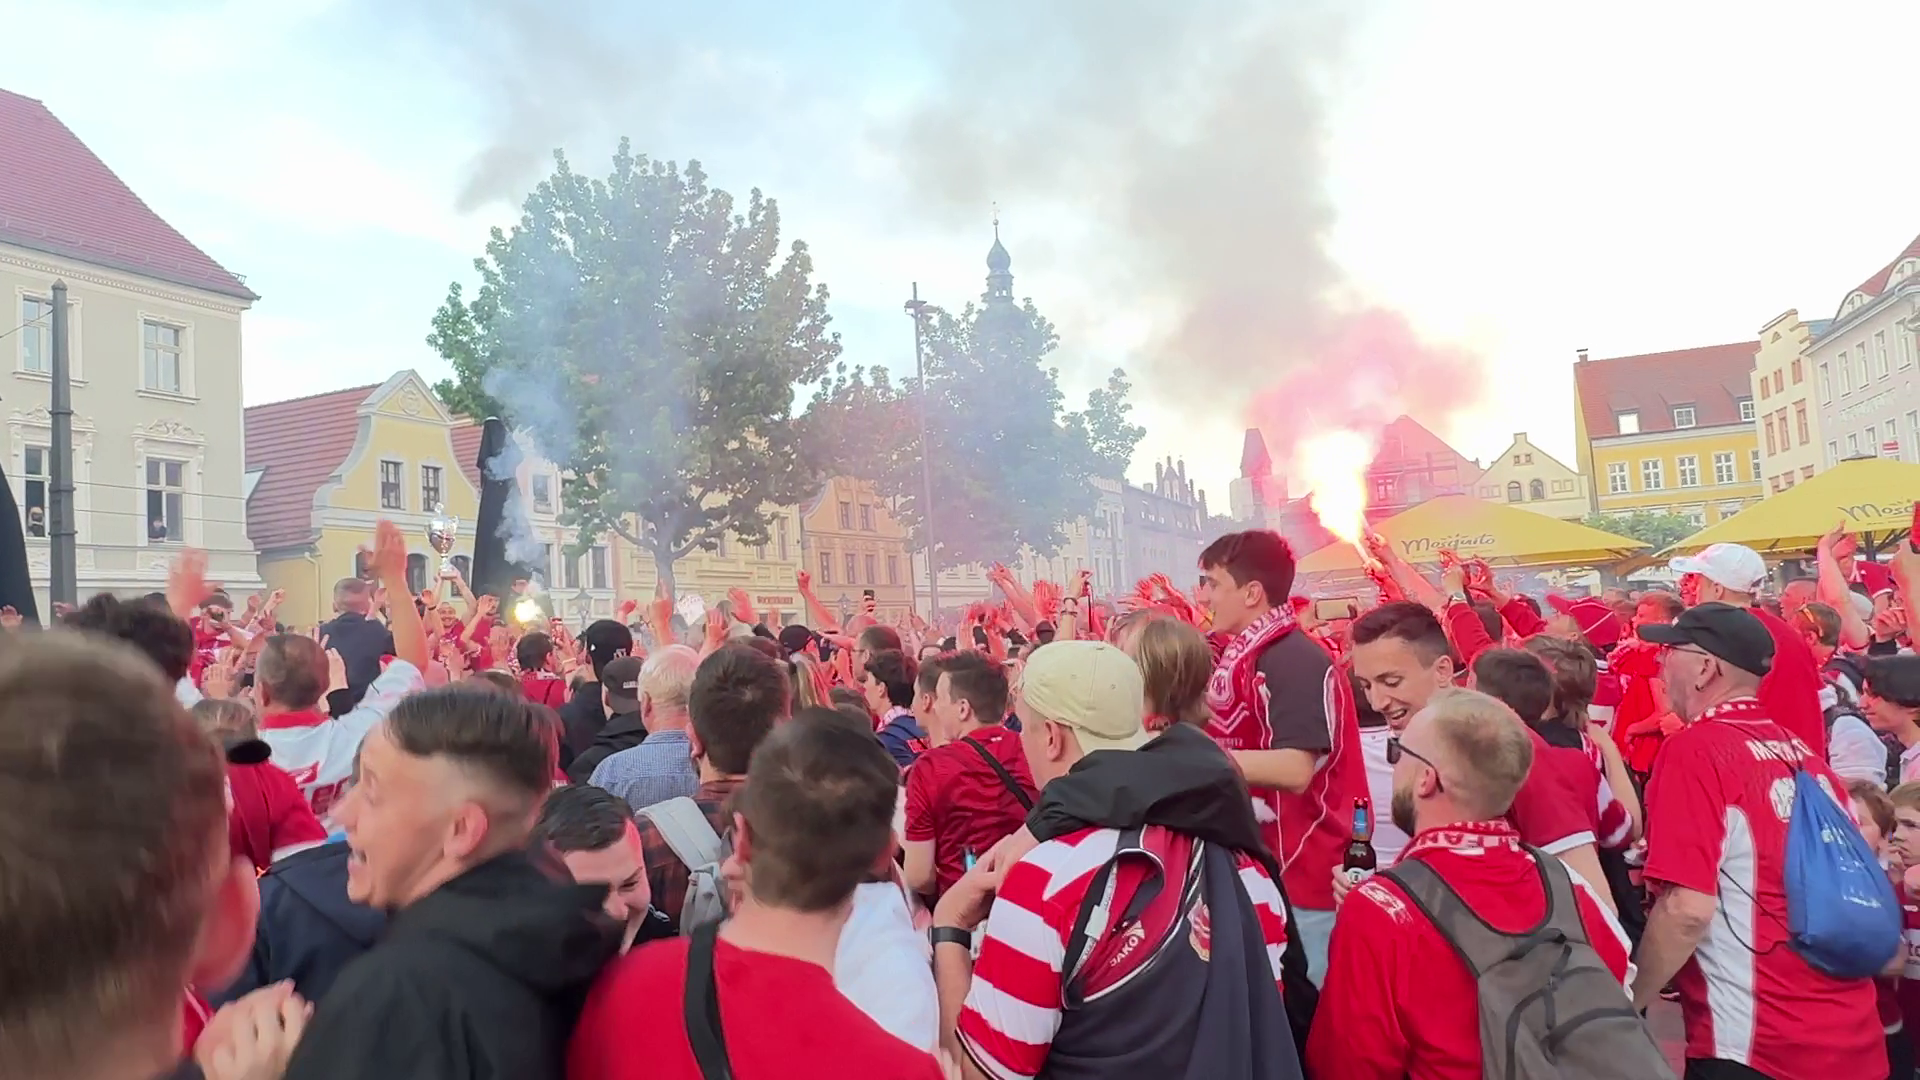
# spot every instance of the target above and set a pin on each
(1008, 468)
(649, 337)
(1660, 530)
(1106, 429)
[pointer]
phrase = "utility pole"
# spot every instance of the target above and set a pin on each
(62, 586)
(917, 309)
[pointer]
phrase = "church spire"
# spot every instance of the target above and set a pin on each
(999, 267)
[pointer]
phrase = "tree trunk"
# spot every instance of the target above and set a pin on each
(663, 571)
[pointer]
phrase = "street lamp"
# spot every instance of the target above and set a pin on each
(917, 310)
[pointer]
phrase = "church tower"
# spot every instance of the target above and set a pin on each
(999, 270)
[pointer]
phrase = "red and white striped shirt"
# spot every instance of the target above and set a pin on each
(1013, 1009)
(1616, 824)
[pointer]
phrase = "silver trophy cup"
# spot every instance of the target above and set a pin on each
(442, 530)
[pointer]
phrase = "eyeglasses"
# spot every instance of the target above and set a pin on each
(1395, 750)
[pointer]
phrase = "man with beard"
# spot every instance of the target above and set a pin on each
(1398, 999)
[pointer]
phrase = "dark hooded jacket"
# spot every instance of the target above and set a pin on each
(309, 931)
(480, 980)
(623, 732)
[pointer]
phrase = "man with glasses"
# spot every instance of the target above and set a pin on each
(1398, 999)
(1717, 811)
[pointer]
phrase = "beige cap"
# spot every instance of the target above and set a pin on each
(1091, 687)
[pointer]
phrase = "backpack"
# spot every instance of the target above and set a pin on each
(1549, 1006)
(1842, 914)
(1846, 677)
(686, 830)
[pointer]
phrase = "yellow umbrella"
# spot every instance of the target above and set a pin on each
(1501, 534)
(1873, 497)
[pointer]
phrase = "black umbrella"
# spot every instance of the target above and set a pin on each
(16, 585)
(501, 515)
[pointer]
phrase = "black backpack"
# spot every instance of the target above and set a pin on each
(1548, 1004)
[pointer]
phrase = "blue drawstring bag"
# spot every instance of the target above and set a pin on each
(1841, 909)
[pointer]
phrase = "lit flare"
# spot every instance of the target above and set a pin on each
(1333, 465)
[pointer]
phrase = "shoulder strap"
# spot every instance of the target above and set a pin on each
(1478, 945)
(1563, 908)
(702, 1006)
(686, 830)
(1019, 794)
(1100, 898)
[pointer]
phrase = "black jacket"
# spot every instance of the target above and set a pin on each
(309, 931)
(480, 980)
(361, 642)
(581, 720)
(623, 732)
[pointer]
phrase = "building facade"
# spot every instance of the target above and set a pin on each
(1863, 367)
(1782, 386)
(1164, 527)
(1413, 465)
(850, 542)
(1532, 479)
(154, 343)
(1670, 432)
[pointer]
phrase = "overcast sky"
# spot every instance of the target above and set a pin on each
(1520, 181)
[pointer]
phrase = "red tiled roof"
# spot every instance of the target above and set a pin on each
(1877, 284)
(1407, 440)
(299, 443)
(466, 449)
(1712, 379)
(57, 197)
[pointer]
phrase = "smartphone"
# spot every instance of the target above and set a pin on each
(1336, 607)
(867, 594)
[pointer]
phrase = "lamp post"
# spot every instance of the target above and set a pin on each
(917, 309)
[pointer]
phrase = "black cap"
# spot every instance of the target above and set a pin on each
(605, 639)
(246, 751)
(1730, 633)
(621, 680)
(794, 638)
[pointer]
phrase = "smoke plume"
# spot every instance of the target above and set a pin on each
(1194, 136)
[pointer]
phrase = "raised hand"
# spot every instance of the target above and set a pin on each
(9, 618)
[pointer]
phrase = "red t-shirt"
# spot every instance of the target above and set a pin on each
(1397, 1000)
(268, 817)
(1791, 690)
(542, 688)
(1637, 668)
(1555, 809)
(959, 802)
(782, 1017)
(1717, 813)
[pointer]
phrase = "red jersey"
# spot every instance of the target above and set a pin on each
(1717, 813)
(1791, 690)
(1555, 809)
(783, 1020)
(1636, 667)
(1398, 1001)
(957, 801)
(268, 816)
(543, 688)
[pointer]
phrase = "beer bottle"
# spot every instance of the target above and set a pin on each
(1358, 864)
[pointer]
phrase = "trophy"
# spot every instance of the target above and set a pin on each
(441, 531)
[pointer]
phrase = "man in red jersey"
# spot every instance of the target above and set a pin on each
(967, 794)
(813, 821)
(1285, 713)
(1717, 812)
(1398, 999)
(1731, 574)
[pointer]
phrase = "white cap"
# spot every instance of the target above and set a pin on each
(1730, 566)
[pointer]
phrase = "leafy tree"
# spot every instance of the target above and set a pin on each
(648, 336)
(1660, 530)
(1106, 429)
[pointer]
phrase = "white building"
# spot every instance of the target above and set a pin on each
(1863, 363)
(155, 344)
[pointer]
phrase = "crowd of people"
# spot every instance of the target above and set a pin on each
(1057, 836)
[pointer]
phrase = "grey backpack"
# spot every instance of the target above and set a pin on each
(686, 830)
(1549, 1007)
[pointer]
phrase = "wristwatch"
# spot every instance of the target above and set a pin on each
(950, 935)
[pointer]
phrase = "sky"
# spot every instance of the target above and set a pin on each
(1520, 180)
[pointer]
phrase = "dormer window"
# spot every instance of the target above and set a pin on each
(1746, 409)
(1628, 422)
(1683, 416)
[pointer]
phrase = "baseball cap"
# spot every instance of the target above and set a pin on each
(1091, 687)
(1730, 566)
(621, 680)
(1596, 620)
(794, 638)
(605, 639)
(1733, 634)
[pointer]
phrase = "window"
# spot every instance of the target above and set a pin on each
(1799, 371)
(1513, 491)
(1853, 444)
(1880, 369)
(363, 565)
(1490, 491)
(1913, 430)
(542, 493)
(431, 495)
(36, 335)
(1893, 438)
(780, 531)
(1536, 490)
(597, 566)
(35, 473)
(1561, 486)
(846, 515)
(1771, 448)
(1683, 416)
(1826, 388)
(853, 570)
(463, 564)
(1689, 470)
(160, 356)
(1753, 462)
(1696, 515)
(416, 573)
(1723, 467)
(1806, 472)
(1833, 451)
(1786, 480)
(1800, 421)
(1860, 365)
(873, 574)
(1845, 370)
(1652, 475)
(1765, 388)
(893, 569)
(391, 497)
(826, 568)
(1617, 478)
(544, 567)
(1873, 440)
(1627, 422)
(1906, 351)
(166, 500)
(866, 517)
(720, 546)
(569, 571)
(1746, 406)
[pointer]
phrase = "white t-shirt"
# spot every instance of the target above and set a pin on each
(1388, 840)
(885, 967)
(320, 756)
(187, 694)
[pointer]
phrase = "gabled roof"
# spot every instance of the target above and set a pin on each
(1520, 439)
(1713, 379)
(1877, 284)
(295, 445)
(466, 449)
(57, 197)
(1407, 440)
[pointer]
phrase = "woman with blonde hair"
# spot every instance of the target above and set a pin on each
(1175, 663)
(810, 684)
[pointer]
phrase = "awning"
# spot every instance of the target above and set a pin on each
(1503, 535)
(1872, 497)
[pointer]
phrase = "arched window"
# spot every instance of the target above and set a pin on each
(416, 573)
(465, 566)
(1513, 491)
(1537, 490)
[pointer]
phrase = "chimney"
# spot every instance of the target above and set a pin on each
(1581, 354)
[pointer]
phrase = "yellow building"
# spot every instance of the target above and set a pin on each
(1782, 386)
(1669, 432)
(1532, 479)
(321, 470)
(768, 572)
(851, 543)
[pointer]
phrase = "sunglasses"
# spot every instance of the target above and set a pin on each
(1395, 750)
